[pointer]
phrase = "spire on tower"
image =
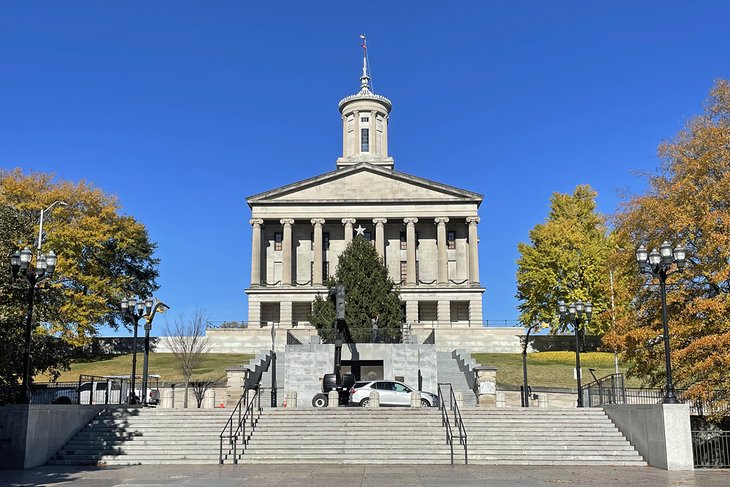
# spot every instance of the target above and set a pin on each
(365, 79)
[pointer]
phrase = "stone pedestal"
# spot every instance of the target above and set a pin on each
(486, 377)
(500, 400)
(415, 399)
(291, 399)
(208, 399)
(235, 380)
(459, 397)
(168, 399)
(542, 401)
(333, 399)
(374, 400)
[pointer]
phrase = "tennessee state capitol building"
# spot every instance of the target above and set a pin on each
(426, 232)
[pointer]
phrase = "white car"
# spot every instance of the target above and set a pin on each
(392, 393)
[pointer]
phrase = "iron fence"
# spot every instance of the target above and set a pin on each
(363, 335)
(711, 449)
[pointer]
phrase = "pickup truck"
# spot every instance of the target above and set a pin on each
(104, 393)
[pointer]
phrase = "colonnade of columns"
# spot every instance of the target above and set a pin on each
(317, 223)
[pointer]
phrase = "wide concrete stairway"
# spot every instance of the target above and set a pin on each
(146, 436)
(532, 436)
(348, 435)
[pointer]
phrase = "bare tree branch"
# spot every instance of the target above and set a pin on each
(188, 343)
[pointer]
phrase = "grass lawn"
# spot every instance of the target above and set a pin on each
(550, 369)
(164, 364)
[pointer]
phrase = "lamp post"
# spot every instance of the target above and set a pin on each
(575, 314)
(525, 395)
(134, 309)
(20, 264)
(157, 307)
(658, 264)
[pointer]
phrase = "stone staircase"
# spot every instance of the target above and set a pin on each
(450, 368)
(348, 435)
(532, 436)
(505, 436)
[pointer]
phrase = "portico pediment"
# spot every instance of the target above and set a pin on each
(364, 183)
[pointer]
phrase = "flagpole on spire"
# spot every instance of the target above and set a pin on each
(365, 79)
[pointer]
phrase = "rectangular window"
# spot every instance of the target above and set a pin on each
(325, 241)
(451, 240)
(403, 243)
(277, 241)
(364, 140)
(403, 271)
(365, 119)
(368, 236)
(325, 270)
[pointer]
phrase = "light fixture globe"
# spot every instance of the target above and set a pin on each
(571, 310)
(642, 256)
(25, 256)
(51, 259)
(124, 304)
(655, 257)
(15, 259)
(680, 256)
(589, 310)
(562, 308)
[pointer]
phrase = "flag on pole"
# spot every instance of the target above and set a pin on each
(364, 41)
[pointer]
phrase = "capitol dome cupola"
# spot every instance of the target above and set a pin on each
(365, 124)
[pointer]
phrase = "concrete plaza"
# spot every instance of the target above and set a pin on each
(359, 475)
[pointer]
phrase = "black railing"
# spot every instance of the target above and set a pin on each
(458, 421)
(711, 449)
(247, 412)
(606, 390)
(363, 335)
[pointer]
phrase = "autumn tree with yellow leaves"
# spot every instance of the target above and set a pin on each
(103, 256)
(688, 203)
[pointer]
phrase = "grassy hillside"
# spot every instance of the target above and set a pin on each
(213, 367)
(550, 369)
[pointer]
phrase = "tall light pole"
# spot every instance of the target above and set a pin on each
(658, 264)
(40, 225)
(134, 310)
(525, 395)
(575, 314)
(20, 264)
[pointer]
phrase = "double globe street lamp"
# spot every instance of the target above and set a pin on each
(576, 314)
(658, 263)
(135, 309)
(20, 264)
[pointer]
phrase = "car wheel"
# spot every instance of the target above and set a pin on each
(319, 401)
(364, 403)
(425, 403)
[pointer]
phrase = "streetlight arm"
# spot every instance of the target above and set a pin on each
(40, 226)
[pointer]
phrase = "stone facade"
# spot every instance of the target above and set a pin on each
(425, 231)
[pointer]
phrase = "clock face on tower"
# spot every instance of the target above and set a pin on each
(360, 230)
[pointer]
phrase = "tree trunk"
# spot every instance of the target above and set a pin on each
(185, 401)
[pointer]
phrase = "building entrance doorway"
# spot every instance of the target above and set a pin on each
(364, 369)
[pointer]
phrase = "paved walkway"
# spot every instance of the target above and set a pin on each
(359, 476)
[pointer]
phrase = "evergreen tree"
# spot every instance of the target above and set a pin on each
(566, 260)
(371, 296)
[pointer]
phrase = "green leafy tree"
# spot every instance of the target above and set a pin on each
(102, 257)
(688, 203)
(566, 260)
(371, 295)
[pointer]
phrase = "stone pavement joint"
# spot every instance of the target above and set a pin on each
(358, 476)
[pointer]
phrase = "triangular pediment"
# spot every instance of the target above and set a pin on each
(364, 182)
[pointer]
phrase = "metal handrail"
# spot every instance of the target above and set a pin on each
(459, 423)
(445, 422)
(248, 415)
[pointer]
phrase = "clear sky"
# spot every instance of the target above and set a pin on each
(183, 109)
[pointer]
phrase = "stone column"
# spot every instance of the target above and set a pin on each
(443, 259)
(411, 250)
(344, 136)
(358, 144)
(443, 312)
(374, 132)
(348, 222)
(256, 251)
(286, 246)
(285, 315)
(486, 381)
(380, 236)
(385, 135)
(412, 311)
(473, 251)
(317, 267)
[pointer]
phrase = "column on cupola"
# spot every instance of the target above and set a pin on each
(358, 143)
(345, 152)
(380, 236)
(348, 222)
(286, 254)
(256, 251)
(385, 135)
(374, 132)
(473, 251)
(317, 248)
(443, 262)
(410, 250)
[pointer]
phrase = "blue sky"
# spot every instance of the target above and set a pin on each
(182, 109)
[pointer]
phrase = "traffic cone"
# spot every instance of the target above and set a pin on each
(221, 406)
(284, 405)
